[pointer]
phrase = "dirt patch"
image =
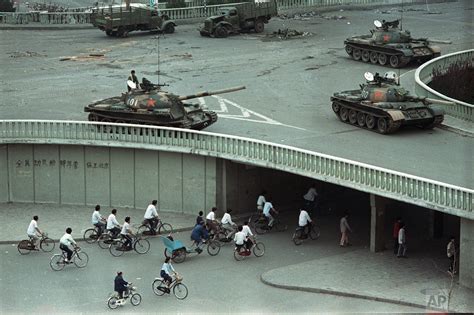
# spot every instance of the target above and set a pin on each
(90, 57)
(21, 54)
(284, 34)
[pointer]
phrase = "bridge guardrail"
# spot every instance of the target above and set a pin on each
(392, 184)
(424, 75)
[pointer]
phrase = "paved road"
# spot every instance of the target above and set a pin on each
(216, 284)
(289, 82)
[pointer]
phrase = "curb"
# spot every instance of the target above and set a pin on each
(80, 240)
(343, 294)
(40, 27)
(459, 131)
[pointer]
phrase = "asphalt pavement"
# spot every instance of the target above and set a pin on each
(317, 276)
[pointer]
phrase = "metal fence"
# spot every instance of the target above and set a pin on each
(195, 9)
(392, 184)
(424, 75)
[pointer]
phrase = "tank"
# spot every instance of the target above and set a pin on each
(389, 45)
(383, 106)
(148, 104)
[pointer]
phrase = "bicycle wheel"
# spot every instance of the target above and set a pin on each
(90, 236)
(261, 228)
(297, 237)
(280, 227)
(112, 302)
(180, 291)
(57, 262)
(165, 228)
(104, 241)
(237, 255)
(47, 244)
(135, 299)
(24, 247)
(142, 246)
(141, 231)
(167, 253)
(259, 249)
(81, 259)
(116, 249)
(314, 233)
(213, 248)
(179, 256)
(159, 287)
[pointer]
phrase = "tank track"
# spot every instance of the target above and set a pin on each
(436, 122)
(377, 55)
(212, 119)
(376, 124)
(107, 118)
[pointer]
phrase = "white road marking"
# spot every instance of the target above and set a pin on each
(407, 72)
(245, 113)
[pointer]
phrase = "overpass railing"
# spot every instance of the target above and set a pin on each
(392, 184)
(424, 75)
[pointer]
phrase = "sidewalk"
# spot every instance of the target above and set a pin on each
(378, 277)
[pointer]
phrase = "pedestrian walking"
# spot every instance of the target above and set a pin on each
(345, 229)
(396, 228)
(402, 242)
(451, 253)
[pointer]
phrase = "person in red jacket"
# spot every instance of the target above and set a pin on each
(396, 228)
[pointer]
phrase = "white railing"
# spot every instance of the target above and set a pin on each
(424, 75)
(392, 184)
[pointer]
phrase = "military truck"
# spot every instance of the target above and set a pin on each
(119, 20)
(240, 17)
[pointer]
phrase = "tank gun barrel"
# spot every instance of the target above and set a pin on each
(441, 102)
(434, 41)
(202, 94)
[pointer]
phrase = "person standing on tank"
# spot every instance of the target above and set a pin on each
(132, 77)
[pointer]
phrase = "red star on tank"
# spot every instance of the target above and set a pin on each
(151, 103)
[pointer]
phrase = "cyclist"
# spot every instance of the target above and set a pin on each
(120, 286)
(240, 238)
(33, 231)
(228, 225)
(199, 235)
(166, 269)
(304, 223)
(98, 220)
(151, 216)
(125, 233)
(261, 201)
(269, 212)
(248, 234)
(64, 243)
(211, 221)
(112, 224)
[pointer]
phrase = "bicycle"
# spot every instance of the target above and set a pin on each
(258, 249)
(180, 290)
(145, 229)
(92, 235)
(79, 258)
(299, 236)
(46, 244)
(114, 299)
(106, 239)
(117, 247)
(178, 251)
(261, 226)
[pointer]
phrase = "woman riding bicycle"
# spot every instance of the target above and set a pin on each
(166, 270)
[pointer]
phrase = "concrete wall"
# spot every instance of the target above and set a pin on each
(118, 177)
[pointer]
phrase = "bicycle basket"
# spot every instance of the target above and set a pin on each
(179, 278)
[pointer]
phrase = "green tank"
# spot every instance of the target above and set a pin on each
(389, 45)
(383, 106)
(148, 104)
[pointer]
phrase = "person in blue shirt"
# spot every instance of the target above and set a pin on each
(120, 286)
(166, 271)
(199, 235)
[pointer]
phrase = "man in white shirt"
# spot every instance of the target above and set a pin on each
(228, 225)
(151, 215)
(211, 221)
(33, 231)
(402, 242)
(126, 233)
(239, 238)
(64, 243)
(98, 220)
(267, 211)
(310, 198)
(345, 229)
(248, 234)
(303, 222)
(261, 201)
(112, 224)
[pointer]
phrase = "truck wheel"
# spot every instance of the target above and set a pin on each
(221, 32)
(259, 26)
(108, 32)
(169, 29)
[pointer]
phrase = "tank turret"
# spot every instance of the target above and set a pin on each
(149, 104)
(389, 45)
(382, 105)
